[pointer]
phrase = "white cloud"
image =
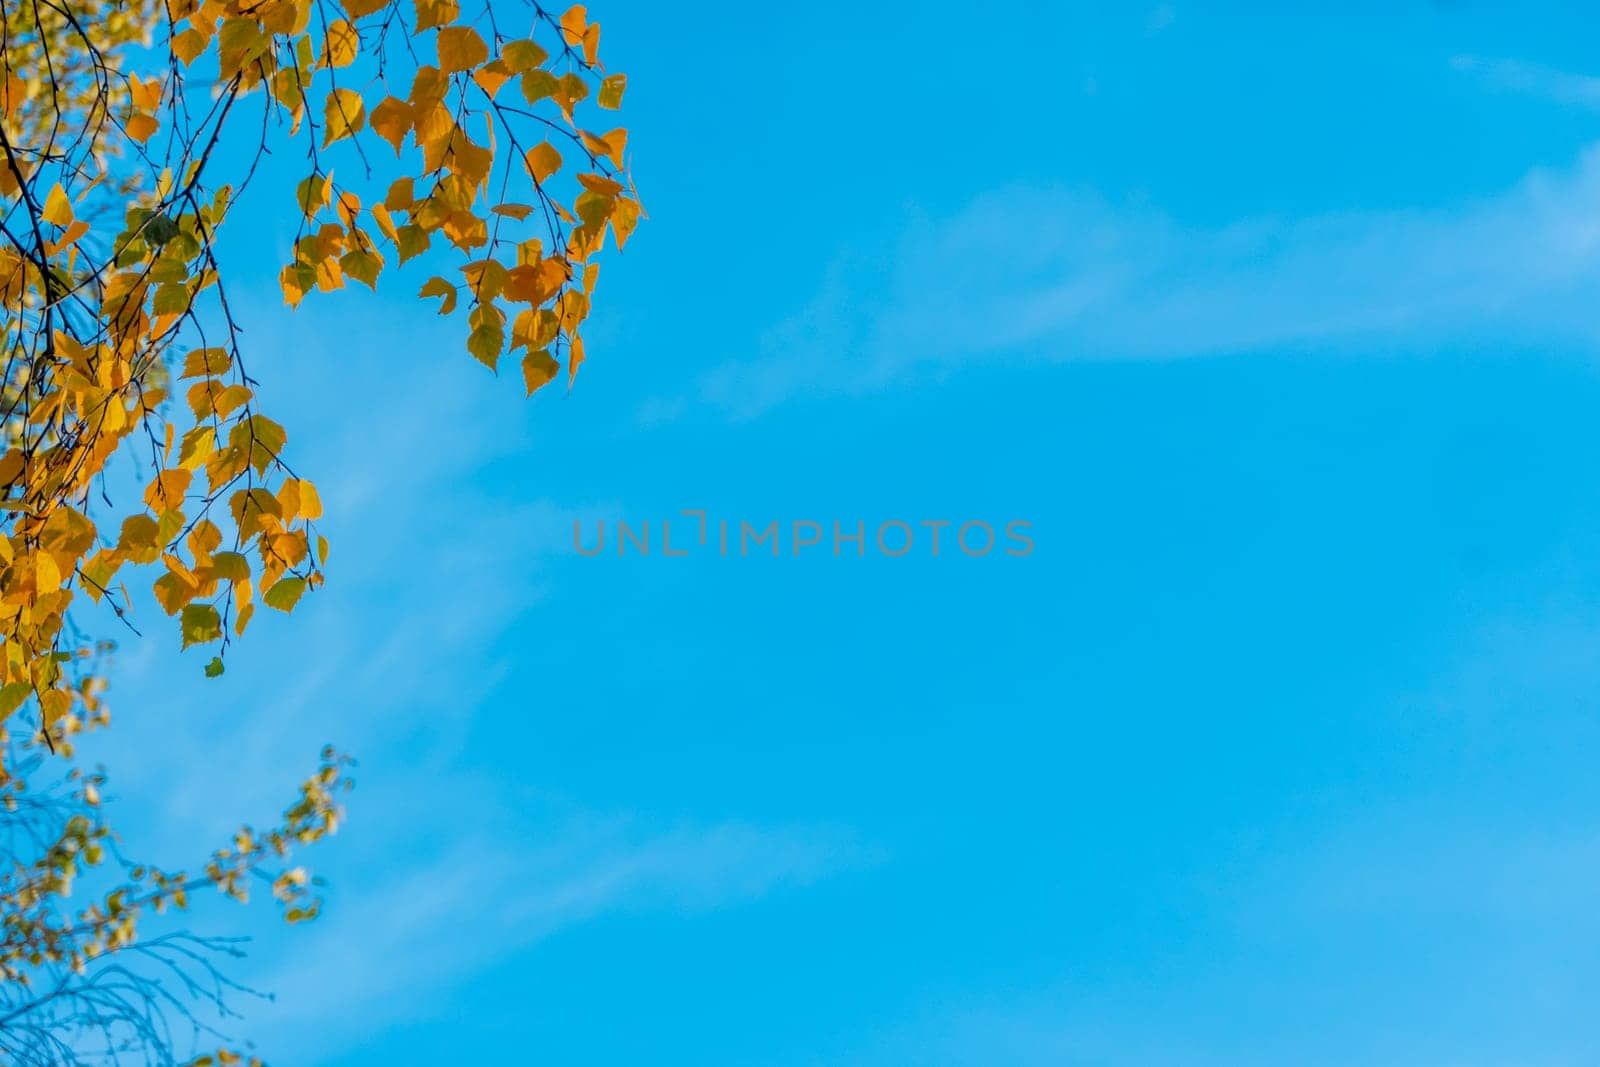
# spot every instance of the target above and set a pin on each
(1533, 79)
(401, 946)
(444, 867)
(1056, 274)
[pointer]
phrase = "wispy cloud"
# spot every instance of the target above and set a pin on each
(1516, 76)
(1058, 274)
(450, 862)
(408, 941)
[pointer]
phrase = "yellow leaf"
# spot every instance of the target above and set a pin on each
(172, 592)
(538, 368)
(295, 284)
(344, 114)
(229, 399)
(197, 446)
(431, 13)
(206, 363)
(340, 47)
(263, 438)
(468, 160)
(434, 125)
(466, 230)
(573, 23)
(204, 539)
(57, 208)
(385, 221)
(166, 491)
(299, 499)
(349, 208)
(611, 90)
(610, 146)
(401, 195)
(543, 160)
(491, 76)
(536, 283)
(575, 359)
(139, 536)
(624, 217)
(356, 8)
(189, 44)
(46, 573)
(428, 87)
(142, 127)
(223, 466)
(392, 119)
(310, 501)
(570, 91)
(54, 705)
(253, 509)
(599, 183)
(460, 48)
(440, 287)
(146, 94)
(203, 397)
(485, 277)
(68, 239)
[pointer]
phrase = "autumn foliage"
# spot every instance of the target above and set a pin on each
(119, 329)
(470, 138)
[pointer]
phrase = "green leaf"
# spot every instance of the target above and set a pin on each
(413, 241)
(362, 266)
(312, 194)
(200, 623)
(522, 56)
(285, 594)
(486, 343)
(230, 566)
(160, 230)
(214, 668)
(538, 84)
(171, 299)
(12, 696)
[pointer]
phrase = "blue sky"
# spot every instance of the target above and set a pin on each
(1282, 333)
